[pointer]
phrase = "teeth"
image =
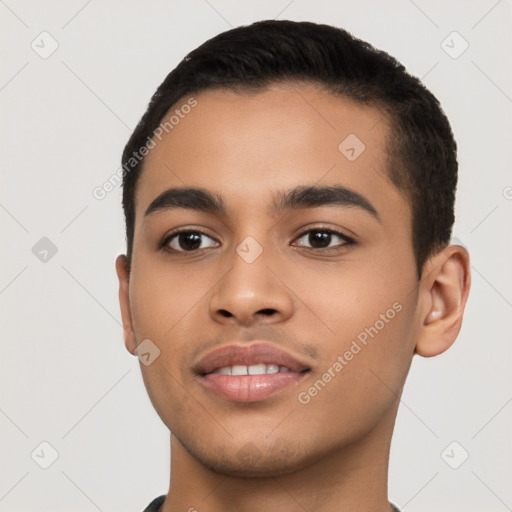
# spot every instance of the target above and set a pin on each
(239, 370)
(255, 369)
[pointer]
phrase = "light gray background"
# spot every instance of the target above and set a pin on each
(66, 377)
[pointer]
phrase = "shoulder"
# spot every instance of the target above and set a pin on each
(155, 505)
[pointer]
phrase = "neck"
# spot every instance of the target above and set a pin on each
(353, 477)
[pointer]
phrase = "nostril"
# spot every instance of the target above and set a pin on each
(225, 313)
(268, 311)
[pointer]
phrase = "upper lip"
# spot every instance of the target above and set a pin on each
(247, 355)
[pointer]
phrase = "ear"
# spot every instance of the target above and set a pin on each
(123, 273)
(443, 294)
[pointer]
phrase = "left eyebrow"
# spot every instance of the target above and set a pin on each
(301, 197)
(314, 197)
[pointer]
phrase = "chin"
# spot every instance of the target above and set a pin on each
(251, 461)
(251, 469)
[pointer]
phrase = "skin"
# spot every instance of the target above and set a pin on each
(279, 454)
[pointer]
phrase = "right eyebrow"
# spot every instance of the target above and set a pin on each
(190, 198)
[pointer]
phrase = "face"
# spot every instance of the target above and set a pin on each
(323, 284)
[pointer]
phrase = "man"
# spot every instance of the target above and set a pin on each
(289, 199)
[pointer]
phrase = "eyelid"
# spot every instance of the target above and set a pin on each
(348, 240)
(167, 238)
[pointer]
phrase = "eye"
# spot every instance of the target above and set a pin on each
(321, 238)
(193, 240)
(186, 241)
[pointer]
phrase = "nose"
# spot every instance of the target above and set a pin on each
(252, 292)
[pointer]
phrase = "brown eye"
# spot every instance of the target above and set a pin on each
(322, 238)
(187, 241)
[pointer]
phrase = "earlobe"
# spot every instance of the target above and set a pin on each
(444, 292)
(123, 275)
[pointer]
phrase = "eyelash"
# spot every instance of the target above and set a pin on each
(347, 240)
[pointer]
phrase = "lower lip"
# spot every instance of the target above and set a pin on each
(250, 388)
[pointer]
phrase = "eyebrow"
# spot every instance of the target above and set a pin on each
(295, 199)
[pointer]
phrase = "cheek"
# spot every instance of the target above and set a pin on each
(161, 306)
(161, 299)
(361, 379)
(370, 342)
(165, 306)
(347, 299)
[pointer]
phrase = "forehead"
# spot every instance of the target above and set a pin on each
(245, 147)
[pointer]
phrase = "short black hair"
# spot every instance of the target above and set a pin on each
(422, 152)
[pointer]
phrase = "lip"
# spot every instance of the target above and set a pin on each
(249, 388)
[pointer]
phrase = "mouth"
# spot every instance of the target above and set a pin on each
(250, 373)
